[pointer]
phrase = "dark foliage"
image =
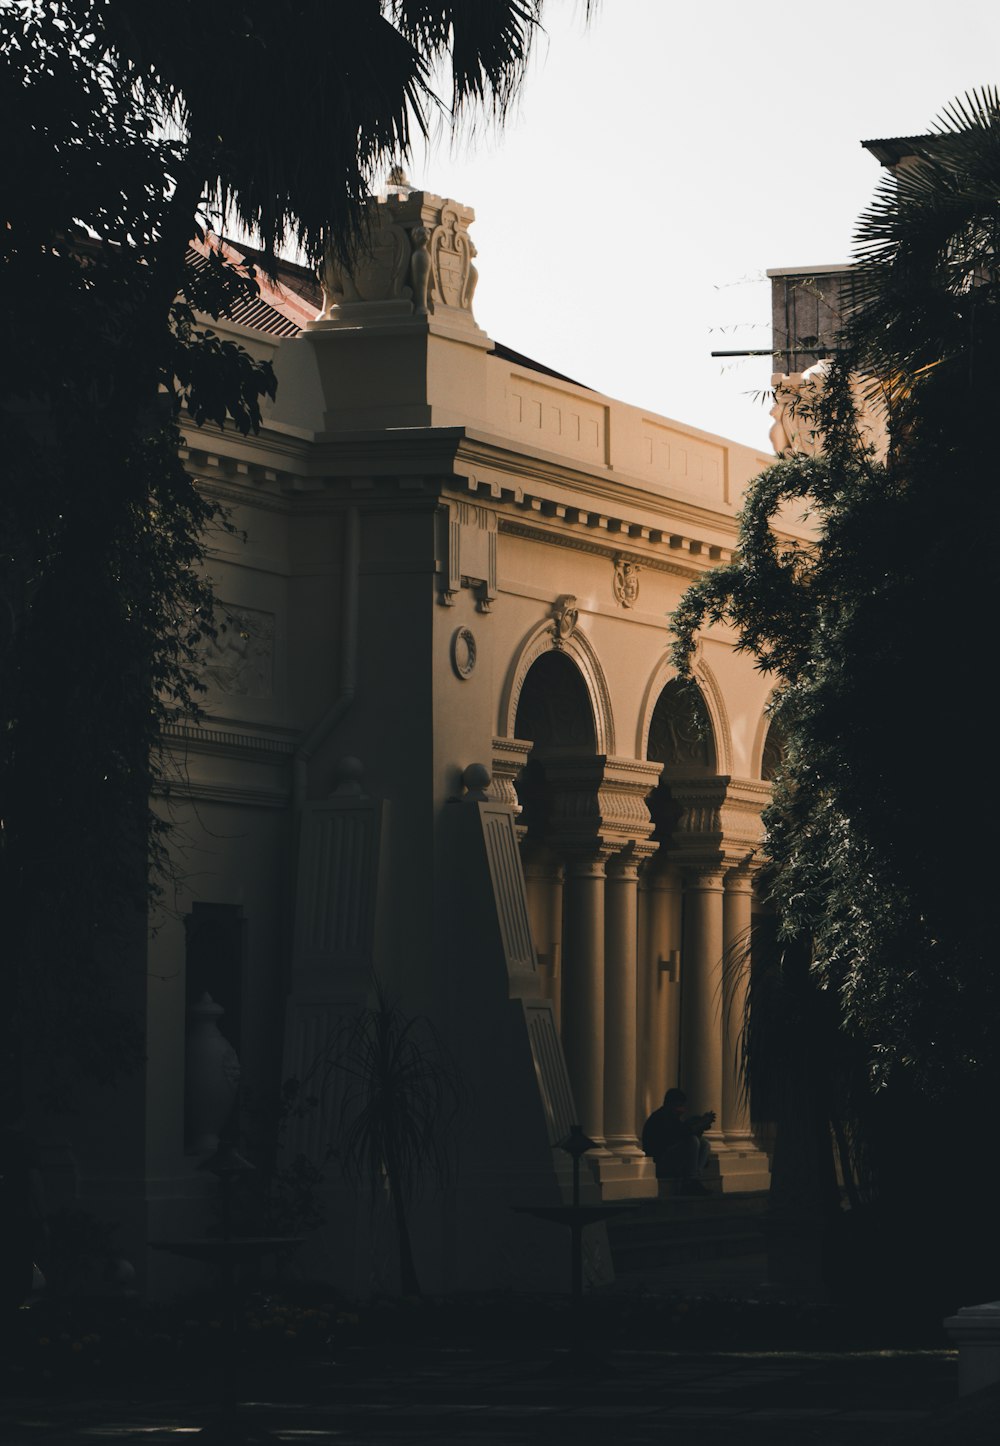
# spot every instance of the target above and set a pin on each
(101, 532)
(885, 949)
(124, 123)
(871, 631)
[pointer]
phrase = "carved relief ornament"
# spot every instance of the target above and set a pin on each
(625, 583)
(565, 615)
(453, 274)
(463, 652)
(417, 261)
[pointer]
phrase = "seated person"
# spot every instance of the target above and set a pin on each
(677, 1144)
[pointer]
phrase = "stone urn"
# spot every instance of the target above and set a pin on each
(211, 1078)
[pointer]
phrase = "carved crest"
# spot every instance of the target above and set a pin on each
(451, 262)
(626, 582)
(417, 258)
(381, 272)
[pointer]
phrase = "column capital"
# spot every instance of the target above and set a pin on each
(738, 879)
(581, 864)
(662, 875)
(627, 862)
(539, 862)
(703, 875)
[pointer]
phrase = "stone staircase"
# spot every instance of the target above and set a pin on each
(717, 1235)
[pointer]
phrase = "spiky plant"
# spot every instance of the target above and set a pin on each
(399, 1106)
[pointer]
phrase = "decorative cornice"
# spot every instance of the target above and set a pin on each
(597, 803)
(195, 738)
(583, 541)
(720, 825)
(698, 835)
(212, 465)
(637, 773)
(463, 458)
(496, 467)
(226, 793)
(750, 792)
(231, 495)
(446, 457)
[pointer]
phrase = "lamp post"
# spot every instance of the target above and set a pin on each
(577, 1217)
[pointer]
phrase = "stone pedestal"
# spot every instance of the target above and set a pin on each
(975, 1331)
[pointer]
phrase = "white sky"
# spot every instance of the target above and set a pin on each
(662, 158)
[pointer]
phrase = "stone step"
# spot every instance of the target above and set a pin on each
(666, 1232)
(633, 1256)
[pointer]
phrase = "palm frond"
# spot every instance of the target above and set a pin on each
(926, 250)
(292, 108)
(402, 1095)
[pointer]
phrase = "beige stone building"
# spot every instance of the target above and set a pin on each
(444, 741)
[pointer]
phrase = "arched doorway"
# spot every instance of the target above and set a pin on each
(554, 713)
(682, 740)
(697, 912)
(587, 833)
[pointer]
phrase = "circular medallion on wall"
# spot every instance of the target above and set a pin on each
(463, 652)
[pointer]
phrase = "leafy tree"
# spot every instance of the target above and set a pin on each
(126, 125)
(873, 635)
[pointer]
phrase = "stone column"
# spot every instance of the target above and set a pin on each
(620, 1044)
(659, 984)
(736, 907)
(701, 991)
(543, 878)
(583, 988)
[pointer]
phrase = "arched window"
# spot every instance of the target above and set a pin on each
(554, 707)
(680, 730)
(774, 751)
